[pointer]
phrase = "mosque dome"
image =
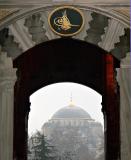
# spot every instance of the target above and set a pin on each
(71, 111)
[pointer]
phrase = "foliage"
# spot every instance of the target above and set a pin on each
(42, 149)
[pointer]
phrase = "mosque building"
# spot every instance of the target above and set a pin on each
(72, 130)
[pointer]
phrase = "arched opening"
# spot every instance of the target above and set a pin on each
(66, 60)
(68, 117)
(53, 97)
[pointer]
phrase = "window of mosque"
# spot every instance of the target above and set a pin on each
(66, 123)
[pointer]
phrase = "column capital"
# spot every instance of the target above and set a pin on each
(7, 72)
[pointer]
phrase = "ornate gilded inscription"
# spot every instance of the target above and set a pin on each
(66, 21)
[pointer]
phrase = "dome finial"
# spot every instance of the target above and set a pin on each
(71, 101)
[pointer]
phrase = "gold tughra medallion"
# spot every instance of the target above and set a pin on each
(66, 21)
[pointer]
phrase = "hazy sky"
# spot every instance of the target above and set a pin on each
(46, 101)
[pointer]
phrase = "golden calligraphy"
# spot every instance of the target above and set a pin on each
(64, 22)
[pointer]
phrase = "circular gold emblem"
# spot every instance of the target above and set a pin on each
(66, 21)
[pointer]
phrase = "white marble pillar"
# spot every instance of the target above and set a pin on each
(124, 79)
(7, 81)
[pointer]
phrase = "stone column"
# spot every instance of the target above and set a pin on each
(7, 81)
(124, 79)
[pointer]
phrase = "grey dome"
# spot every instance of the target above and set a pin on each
(71, 112)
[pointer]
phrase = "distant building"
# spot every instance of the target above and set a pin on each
(75, 134)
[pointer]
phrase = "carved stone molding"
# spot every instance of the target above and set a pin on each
(97, 28)
(123, 46)
(21, 35)
(8, 44)
(113, 31)
(35, 28)
(87, 18)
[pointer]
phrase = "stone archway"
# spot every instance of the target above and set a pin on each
(62, 61)
(113, 36)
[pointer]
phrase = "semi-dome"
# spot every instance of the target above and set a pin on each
(71, 111)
